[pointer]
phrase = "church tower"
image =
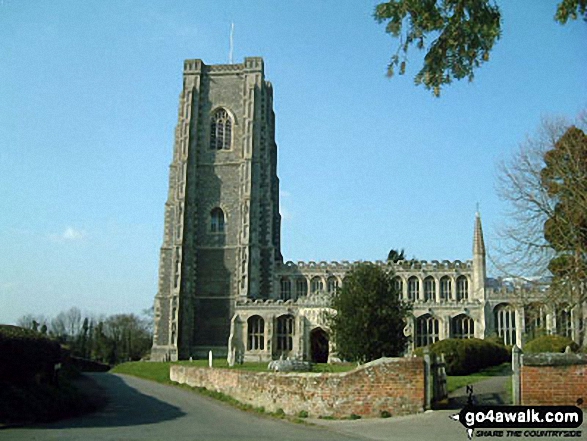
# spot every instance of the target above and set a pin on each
(221, 237)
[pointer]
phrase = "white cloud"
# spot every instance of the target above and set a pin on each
(69, 235)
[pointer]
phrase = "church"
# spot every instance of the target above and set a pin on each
(223, 283)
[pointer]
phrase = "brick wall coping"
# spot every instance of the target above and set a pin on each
(554, 359)
(383, 360)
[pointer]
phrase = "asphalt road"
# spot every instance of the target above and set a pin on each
(144, 410)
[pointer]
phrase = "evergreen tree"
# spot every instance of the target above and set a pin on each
(370, 316)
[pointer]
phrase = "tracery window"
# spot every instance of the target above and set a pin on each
(445, 288)
(217, 220)
(429, 289)
(564, 321)
(462, 288)
(317, 285)
(301, 287)
(332, 284)
(426, 330)
(285, 288)
(505, 322)
(463, 326)
(398, 284)
(256, 333)
(534, 320)
(413, 288)
(285, 331)
(220, 130)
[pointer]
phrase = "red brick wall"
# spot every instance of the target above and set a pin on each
(395, 385)
(561, 384)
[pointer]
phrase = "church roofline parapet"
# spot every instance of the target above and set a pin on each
(312, 300)
(402, 266)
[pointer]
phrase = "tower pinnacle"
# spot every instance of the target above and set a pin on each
(478, 242)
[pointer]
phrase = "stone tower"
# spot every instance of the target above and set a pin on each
(221, 237)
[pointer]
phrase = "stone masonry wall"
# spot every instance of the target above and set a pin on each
(395, 385)
(554, 379)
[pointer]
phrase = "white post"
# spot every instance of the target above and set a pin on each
(210, 358)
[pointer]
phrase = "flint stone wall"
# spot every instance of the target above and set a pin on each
(395, 385)
(554, 379)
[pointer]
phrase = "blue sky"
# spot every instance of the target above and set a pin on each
(88, 105)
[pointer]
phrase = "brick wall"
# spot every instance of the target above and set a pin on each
(554, 379)
(395, 385)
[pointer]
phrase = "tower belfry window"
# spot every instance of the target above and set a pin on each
(220, 130)
(217, 220)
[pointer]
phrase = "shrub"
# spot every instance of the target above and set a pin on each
(385, 414)
(466, 356)
(550, 343)
(303, 414)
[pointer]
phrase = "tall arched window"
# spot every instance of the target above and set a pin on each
(285, 288)
(462, 288)
(413, 288)
(463, 327)
(505, 323)
(256, 333)
(332, 284)
(285, 331)
(217, 220)
(445, 288)
(534, 320)
(426, 330)
(317, 285)
(429, 289)
(301, 287)
(564, 320)
(220, 130)
(398, 284)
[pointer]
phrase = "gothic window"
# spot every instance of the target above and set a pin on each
(285, 331)
(505, 323)
(463, 327)
(462, 288)
(445, 288)
(332, 284)
(301, 287)
(429, 289)
(413, 288)
(217, 220)
(426, 330)
(534, 320)
(317, 285)
(564, 321)
(398, 284)
(285, 288)
(220, 130)
(256, 333)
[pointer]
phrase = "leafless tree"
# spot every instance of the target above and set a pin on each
(545, 184)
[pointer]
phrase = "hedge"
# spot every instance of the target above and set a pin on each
(26, 354)
(469, 355)
(550, 343)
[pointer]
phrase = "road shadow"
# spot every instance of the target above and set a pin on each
(119, 405)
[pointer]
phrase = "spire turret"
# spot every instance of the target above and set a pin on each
(478, 242)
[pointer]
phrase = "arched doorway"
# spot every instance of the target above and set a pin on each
(319, 345)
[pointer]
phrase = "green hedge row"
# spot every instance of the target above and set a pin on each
(550, 343)
(26, 354)
(466, 356)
